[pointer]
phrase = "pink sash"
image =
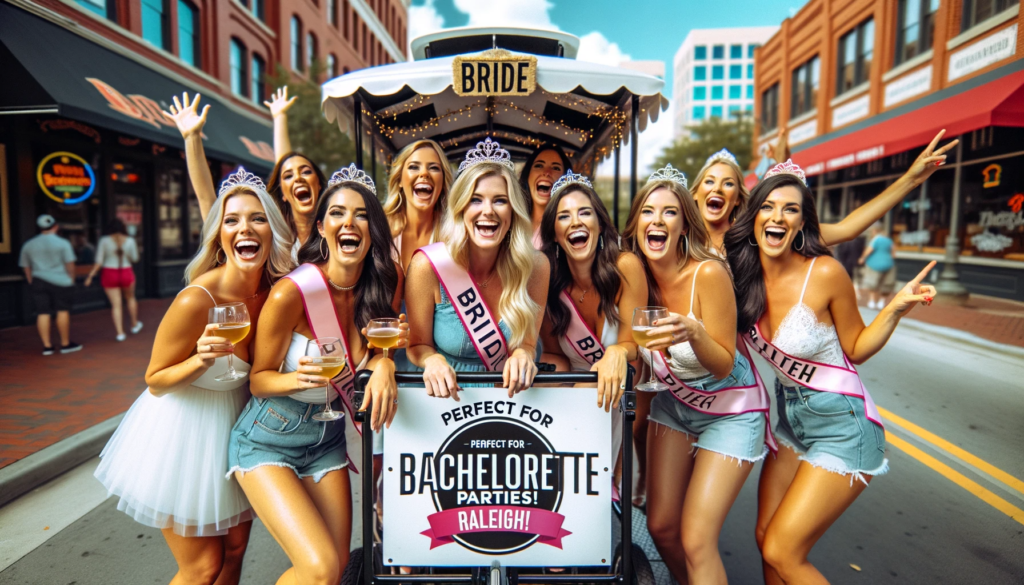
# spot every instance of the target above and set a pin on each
(476, 317)
(323, 322)
(815, 375)
(579, 335)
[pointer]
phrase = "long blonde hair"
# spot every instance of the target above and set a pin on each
(515, 257)
(278, 263)
(744, 193)
(394, 206)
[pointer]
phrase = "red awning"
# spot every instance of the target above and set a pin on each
(997, 103)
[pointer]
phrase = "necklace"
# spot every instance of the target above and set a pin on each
(484, 283)
(584, 295)
(342, 288)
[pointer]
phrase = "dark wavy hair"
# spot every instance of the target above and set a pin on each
(375, 289)
(604, 271)
(274, 185)
(745, 259)
(115, 226)
(524, 174)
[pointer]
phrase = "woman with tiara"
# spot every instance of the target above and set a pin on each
(288, 447)
(483, 263)
(540, 171)
(418, 186)
(168, 458)
(708, 425)
(800, 309)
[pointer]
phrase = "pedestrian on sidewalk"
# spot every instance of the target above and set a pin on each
(114, 257)
(49, 264)
(879, 277)
(848, 254)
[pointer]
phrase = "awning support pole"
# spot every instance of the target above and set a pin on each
(634, 132)
(615, 186)
(949, 287)
(373, 158)
(490, 116)
(357, 130)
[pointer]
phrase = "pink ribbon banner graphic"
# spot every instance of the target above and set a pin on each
(544, 523)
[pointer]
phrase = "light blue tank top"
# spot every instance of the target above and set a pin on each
(452, 341)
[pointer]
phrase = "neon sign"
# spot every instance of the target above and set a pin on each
(66, 178)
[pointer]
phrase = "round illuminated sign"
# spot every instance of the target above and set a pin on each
(66, 178)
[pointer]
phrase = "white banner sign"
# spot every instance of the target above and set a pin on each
(908, 86)
(851, 111)
(803, 132)
(526, 481)
(983, 53)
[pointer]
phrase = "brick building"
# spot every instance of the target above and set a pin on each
(863, 85)
(85, 82)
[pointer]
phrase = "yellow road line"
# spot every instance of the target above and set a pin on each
(941, 443)
(958, 478)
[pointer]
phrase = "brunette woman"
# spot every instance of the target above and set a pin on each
(115, 254)
(418, 186)
(542, 168)
(291, 465)
(168, 458)
(800, 308)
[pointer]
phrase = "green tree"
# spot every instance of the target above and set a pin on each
(688, 154)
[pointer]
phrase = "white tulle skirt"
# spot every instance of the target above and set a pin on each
(168, 458)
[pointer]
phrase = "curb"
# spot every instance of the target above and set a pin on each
(27, 474)
(953, 335)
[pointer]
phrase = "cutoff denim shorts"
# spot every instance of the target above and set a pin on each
(740, 436)
(830, 431)
(280, 431)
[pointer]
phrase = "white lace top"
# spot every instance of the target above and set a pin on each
(802, 336)
(683, 361)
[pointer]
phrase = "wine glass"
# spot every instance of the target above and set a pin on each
(643, 319)
(328, 354)
(383, 333)
(232, 321)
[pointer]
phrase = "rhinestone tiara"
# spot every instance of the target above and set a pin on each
(487, 151)
(669, 174)
(351, 174)
(570, 178)
(241, 178)
(721, 155)
(790, 168)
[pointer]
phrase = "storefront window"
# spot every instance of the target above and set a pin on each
(195, 219)
(188, 33)
(170, 196)
(993, 209)
(921, 222)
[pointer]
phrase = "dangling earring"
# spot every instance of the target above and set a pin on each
(600, 241)
(217, 256)
(322, 253)
(751, 242)
(802, 241)
(557, 247)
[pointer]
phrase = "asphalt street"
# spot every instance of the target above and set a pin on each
(949, 510)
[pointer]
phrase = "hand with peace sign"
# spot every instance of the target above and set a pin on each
(930, 159)
(186, 115)
(914, 292)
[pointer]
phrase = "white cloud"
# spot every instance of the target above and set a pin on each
(523, 13)
(424, 20)
(594, 47)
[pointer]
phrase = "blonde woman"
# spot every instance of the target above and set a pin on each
(168, 458)
(418, 187)
(484, 263)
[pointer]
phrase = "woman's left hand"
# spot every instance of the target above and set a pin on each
(88, 280)
(671, 330)
(914, 292)
(519, 372)
(611, 377)
(382, 392)
(403, 335)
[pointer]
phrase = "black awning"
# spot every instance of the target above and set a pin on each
(46, 67)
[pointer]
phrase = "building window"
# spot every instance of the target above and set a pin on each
(332, 65)
(735, 71)
(344, 18)
(750, 50)
(735, 92)
(700, 73)
(700, 92)
(915, 22)
(750, 71)
(365, 43)
(717, 92)
(310, 49)
(805, 87)
(716, 111)
(749, 107)
(257, 9)
(855, 50)
(699, 113)
(332, 13)
(296, 44)
(259, 72)
(976, 11)
(188, 33)
(718, 72)
(104, 8)
(736, 51)
(239, 77)
(750, 92)
(770, 109)
(154, 23)
(718, 52)
(355, 30)
(700, 52)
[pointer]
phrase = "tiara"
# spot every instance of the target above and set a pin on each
(241, 178)
(669, 174)
(723, 154)
(570, 178)
(487, 151)
(789, 168)
(351, 174)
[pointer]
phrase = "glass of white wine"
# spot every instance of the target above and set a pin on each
(232, 321)
(643, 322)
(383, 333)
(327, 354)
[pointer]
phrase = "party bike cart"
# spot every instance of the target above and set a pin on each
(493, 490)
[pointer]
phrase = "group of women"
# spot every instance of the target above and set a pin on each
(311, 257)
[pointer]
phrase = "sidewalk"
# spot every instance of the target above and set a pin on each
(997, 320)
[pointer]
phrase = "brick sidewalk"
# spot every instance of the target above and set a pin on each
(48, 398)
(997, 320)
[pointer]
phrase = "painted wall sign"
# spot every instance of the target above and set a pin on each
(851, 111)
(803, 132)
(983, 53)
(495, 72)
(66, 178)
(522, 480)
(908, 86)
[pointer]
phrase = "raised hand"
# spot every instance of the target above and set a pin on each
(279, 102)
(930, 159)
(914, 292)
(186, 115)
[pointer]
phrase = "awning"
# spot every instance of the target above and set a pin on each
(994, 99)
(49, 69)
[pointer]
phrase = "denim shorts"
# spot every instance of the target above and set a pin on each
(279, 431)
(830, 431)
(740, 436)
